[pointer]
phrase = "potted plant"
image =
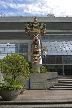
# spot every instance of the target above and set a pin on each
(13, 67)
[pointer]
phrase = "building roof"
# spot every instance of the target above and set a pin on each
(40, 19)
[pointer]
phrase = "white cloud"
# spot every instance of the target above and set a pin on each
(39, 7)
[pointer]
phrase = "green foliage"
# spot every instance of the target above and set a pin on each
(12, 81)
(11, 87)
(14, 66)
(43, 69)
(33, 71)
(30, 65)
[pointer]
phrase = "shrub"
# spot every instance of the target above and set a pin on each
(14, 66)
(42, 69)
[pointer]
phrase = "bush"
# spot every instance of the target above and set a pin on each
(11, 87)
(42, 69)
(13, 67)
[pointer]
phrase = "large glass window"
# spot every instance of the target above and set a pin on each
(2, 56)
(67, 59)
(11, 48)
(58, 59)
(23, 49)
(68, 69)
(7, 48)
(50, 59)
(58, 48)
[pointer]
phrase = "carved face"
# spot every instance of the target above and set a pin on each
(35, 20)
(35, 38)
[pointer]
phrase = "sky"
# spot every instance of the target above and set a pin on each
(60, 8)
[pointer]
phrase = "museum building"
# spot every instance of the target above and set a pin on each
(58, 41)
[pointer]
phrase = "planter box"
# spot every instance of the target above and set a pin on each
(8, 95)
(42, 81)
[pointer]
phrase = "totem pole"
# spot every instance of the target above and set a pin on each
(38, 29)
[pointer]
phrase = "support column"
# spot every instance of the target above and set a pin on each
(36, 67)
(63, 66)
(29, 50)
(63, 70)
(18, 47)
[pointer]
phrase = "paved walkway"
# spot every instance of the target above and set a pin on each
(44, 96)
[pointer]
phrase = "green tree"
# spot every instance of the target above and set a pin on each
(14, 66)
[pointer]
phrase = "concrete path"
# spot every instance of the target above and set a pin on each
(43, 96)
(40, 99)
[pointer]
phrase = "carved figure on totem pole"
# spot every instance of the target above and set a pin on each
(36, 50)
(35, 27)
(43, 29)
(27, 29)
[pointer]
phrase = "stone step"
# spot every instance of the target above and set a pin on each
(65, 81)
(38, 106)
(50, 104)
(65, 77)
(62, 86)
(49, 101)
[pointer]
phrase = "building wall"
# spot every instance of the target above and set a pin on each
(58, 29)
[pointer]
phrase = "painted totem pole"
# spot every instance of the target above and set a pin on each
(38, 29)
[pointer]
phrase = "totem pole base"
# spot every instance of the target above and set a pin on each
(36, 67)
